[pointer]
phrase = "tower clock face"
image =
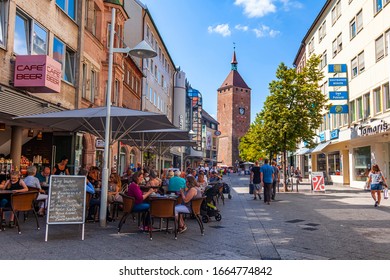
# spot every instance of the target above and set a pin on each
(241, 111)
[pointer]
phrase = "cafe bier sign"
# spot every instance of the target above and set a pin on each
(37, 73)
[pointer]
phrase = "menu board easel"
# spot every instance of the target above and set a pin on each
(66, 202)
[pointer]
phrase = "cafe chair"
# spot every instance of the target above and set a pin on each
(128, 204)
(36, 201)
(117, 204)
(23, 202)
(196, 203)
(163, 208)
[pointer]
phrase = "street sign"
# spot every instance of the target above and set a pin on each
(317, 181)
(337, 68)
(339, 109)
(338, 82)
(338, 95)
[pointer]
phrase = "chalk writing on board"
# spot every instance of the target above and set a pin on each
(66, 199)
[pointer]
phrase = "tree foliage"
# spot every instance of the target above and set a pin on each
(291, 113)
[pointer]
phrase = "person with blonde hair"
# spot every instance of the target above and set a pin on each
(15, 184)
(376, 180)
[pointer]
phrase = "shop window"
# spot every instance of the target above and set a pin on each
(67, 58)
(334, 166)
(68, 6)
(3, 22)
(362, 163)
(321, 162)
(30, 37)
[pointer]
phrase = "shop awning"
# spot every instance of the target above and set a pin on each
(320, 147)
(303, 151)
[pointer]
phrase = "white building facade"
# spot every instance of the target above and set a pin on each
(355, 33)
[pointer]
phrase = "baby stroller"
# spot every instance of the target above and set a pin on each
(208, 208)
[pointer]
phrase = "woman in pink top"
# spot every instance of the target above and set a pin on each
(134, 190)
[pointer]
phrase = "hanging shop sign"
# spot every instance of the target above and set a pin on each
(338, 95)
(337, 68)
(334, 134)
(339, 109)
(338, 82)
(37, 73)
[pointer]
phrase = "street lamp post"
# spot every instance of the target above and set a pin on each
(142, 50)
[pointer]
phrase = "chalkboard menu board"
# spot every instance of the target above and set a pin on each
(66, 200)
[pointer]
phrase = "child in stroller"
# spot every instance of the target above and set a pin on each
(209, 208)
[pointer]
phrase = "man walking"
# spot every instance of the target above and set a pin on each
(276, 179)
(255, 179)
(267, 177)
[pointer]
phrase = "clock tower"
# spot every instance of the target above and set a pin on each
(234, 99)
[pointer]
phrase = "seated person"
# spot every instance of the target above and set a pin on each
(193, 192)
(16, 185)
(44, 176)
(114, 188)
(202, 182)
(33, 182)
(134, 190)
(93, 176)
(93, 202)
(154, 181)
(214, 177)
(128, 176)
(176, 182)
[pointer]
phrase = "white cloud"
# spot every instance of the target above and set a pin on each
(256, 8)
(265, 31)
(222, 29)
(288, 4)
(241, 27)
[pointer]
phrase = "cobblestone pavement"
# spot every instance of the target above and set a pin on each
(341, 223)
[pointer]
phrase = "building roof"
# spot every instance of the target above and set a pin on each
(207, 116)
(234, 79)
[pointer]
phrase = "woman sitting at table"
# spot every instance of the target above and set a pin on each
(193, 192)
(33, 182)
(93, 176)
(114, 188)
(15, 184)
(134, 190)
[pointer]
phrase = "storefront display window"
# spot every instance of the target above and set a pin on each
(362, 161)
(321, 162)
(334, 164)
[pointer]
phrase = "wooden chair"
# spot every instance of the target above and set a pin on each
(23, 202)
(162, 208)
(117, 204)
(128, 204)
(36, 201)
(196, 203)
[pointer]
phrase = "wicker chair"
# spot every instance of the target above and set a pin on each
(128, 204)
(162, 208)
(24, 202)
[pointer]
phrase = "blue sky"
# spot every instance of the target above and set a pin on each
(199, 35)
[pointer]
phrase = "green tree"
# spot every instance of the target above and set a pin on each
(293, 110)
